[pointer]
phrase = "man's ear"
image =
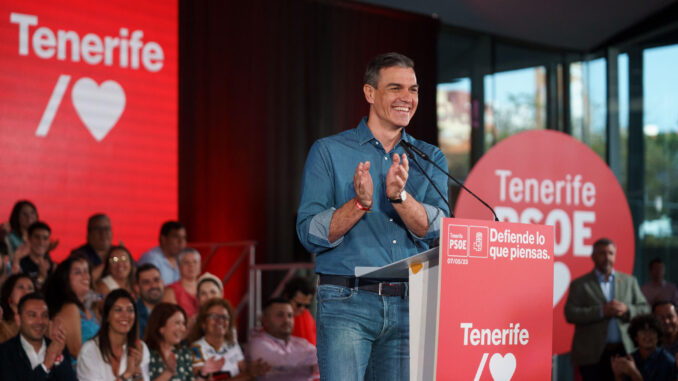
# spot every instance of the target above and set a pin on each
(369, 93)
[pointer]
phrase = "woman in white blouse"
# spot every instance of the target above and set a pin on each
(115, 353)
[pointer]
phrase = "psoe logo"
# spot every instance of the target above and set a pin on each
(479, 236)
(457, 241)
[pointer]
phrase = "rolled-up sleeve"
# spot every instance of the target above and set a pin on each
(316, 207)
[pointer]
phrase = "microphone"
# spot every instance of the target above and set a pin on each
(409, 146)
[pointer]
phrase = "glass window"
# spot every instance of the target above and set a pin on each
(588, 104)
(515, 101)
(454, 124)
(623, 78)
(660, 128)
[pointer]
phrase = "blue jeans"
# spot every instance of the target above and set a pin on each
(361, 335)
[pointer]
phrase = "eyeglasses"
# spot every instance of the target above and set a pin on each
(218, 317)
(117, 259)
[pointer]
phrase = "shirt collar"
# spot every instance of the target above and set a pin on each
(28, 347)
(601, 276)
(365, 135)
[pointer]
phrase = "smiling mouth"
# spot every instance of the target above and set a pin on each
(402, 109)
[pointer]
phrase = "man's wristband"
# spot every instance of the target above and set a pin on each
(360, 206)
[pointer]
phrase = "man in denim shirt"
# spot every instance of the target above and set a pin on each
(361, 205)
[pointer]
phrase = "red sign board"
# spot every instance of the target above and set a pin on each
(88, 119)
(548, 177)
(495, 292)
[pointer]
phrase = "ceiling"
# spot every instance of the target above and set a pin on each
(570, 24)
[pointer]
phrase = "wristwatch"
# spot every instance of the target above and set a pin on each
(403, 197)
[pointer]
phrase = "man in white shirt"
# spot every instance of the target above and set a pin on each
(290, 357)
(31, 356)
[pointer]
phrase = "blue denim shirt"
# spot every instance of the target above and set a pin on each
(379, 237)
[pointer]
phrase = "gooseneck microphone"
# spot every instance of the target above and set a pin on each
(409, 148)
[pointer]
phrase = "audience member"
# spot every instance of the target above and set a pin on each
(172, 240)
(214, 338)
(66, 293)
(600, 304)
(150, 289)
(30, 355)
(99, 238)
(13, 290)
(38, 264)
(169, 359)
(299, 291)
(666, 313)
(209, 287)
(116, 352)
(118, 271)
(657, 289)
(24, 213)
(290, 357)
(185, 290)
(649, 362)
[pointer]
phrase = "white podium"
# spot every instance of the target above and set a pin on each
(422, 272)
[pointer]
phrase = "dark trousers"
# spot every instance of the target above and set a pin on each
(602, 371)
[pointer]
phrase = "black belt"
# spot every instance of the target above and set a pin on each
(378, 286)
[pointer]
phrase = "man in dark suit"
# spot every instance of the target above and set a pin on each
(29, 356)
(601, 304)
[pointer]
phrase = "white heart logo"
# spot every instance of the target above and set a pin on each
(502, 368)
(99, 107)
(561, 281)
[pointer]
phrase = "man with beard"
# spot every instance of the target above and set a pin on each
(290, 357)
(30, 355)
(600, 305)
(150, 289)
(666, 313)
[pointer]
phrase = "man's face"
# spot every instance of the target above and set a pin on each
(39, 240)
(100, 234)
(34, 320)
(657, 272)
(603, 258)
(151, 287)
(300, 302)
(395, 98)
(173, 242)
(666, 313)
(278, 320)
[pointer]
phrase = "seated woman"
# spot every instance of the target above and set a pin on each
(185, 290)
(213, 337)
(209, 286)
(119, 269)
(23, 214)
(13, 289)
(116, 352)
(649, 362)
(170, 360)
(68, 293)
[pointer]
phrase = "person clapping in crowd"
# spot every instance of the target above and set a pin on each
(291, 358)
(213, 337)
(185, 290)
(649, 362)
(67, 293)
(14, 288)
(170, 360)
(23, 214)
(116, 353)
(118, 271)
(30, 355)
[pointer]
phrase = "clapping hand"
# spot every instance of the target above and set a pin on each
(213, 364)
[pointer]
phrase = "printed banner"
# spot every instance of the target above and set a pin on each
(496, 282)
(88, 119)
(548, 177)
